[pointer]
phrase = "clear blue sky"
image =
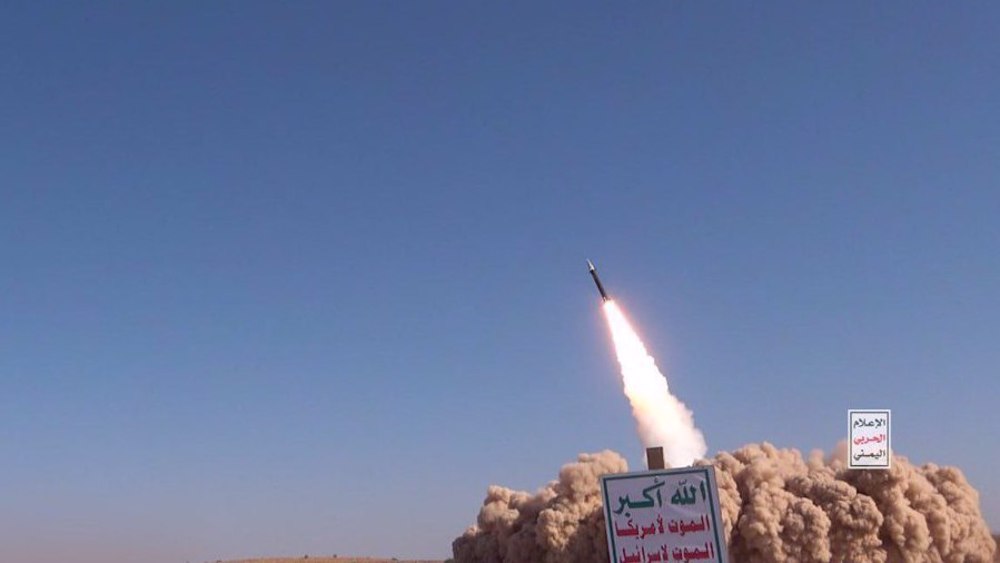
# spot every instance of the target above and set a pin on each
(287, 278)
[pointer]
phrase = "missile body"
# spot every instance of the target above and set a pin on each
(597, 280)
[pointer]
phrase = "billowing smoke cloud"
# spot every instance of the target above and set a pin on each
(776, 506)
(661, 419)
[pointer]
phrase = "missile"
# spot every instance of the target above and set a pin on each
(597, 280)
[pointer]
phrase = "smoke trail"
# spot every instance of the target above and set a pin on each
(776, 508)
(661, 419)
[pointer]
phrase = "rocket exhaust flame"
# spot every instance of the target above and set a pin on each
(661, 418)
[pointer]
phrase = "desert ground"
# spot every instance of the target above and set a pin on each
(320, 559)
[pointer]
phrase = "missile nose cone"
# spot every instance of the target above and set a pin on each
(590, 265)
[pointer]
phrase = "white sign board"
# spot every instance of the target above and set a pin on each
(869, 435)
(664, 515)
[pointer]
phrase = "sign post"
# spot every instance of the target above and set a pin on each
(654, 458)
(664, 515)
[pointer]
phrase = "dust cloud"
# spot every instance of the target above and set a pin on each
(777, 506)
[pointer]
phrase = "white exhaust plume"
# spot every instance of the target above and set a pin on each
(661, 418)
